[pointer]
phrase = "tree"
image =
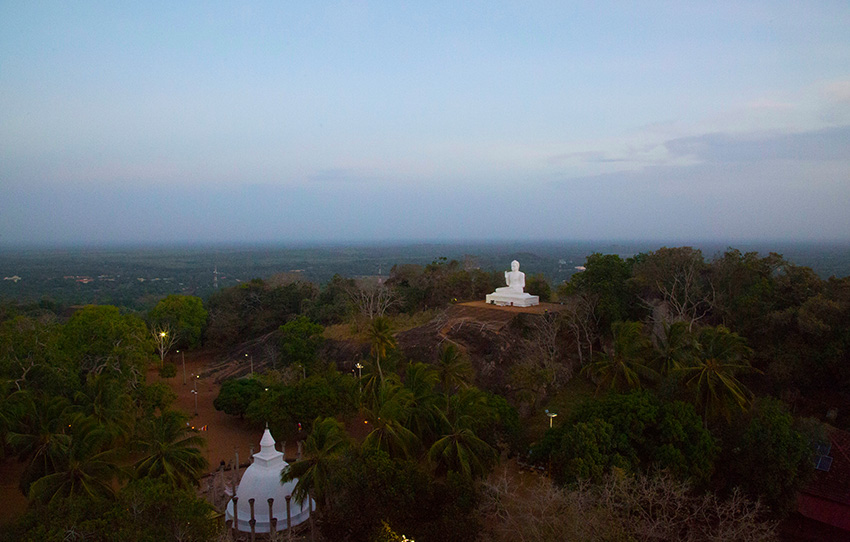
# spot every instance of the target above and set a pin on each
(372, 298)
(636, 432)
(453, 369)
(386, 415)
(40, 436)
(712, 378)
(86, 467)
(678, 277)
(767, 454)
(624, 366)
(380, 336)
(170, 451)
(300, 340)
(461, 451)
(539, 286)
(606, 277)
(326, 442)
(185, 315)
(99, 339)
(164, 338)
(235, 395)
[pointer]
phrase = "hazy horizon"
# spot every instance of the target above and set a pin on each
(272, 122)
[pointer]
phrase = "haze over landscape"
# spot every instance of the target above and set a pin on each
(287, 122)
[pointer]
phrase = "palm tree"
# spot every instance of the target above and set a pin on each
(623, 367)
(460, 449)
(424, 414)
(170, 451)
(676, 348)
(380, 335)
(326, 442)
(104, 401)
(40, 436)
(712, 378)
(454, 370)
(86, 467)
(391, 407)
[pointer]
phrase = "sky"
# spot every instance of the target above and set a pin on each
(233, 122)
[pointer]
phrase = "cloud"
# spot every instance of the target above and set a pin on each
(817, 145)
(838, 91)
(339, 175)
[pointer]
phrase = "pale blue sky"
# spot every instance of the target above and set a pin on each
(279, 121)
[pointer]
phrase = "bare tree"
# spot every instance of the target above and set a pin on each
(372, 298)
(164, 338)
(654, 507)
(583, 319)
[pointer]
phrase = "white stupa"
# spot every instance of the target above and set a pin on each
(261, 482)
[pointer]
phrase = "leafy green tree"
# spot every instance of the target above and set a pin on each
(185, 315)
(99, 339)
(170, 451)
(636, 432)
(625, 366)
(104, 401)
(539, 286)
(326, 442)
(235, 395)
(767, 454)
(607, 277)
(300, 340)
(676, 348)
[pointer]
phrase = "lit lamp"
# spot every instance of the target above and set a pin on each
(551, 417)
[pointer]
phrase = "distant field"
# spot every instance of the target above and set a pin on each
(137, 277)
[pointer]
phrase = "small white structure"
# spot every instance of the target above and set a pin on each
(261, 482)
(512, 294)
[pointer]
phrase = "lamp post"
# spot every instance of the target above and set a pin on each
(551, 417)
(183, 358)
(251, 358)
(195, 393)
(360, 375)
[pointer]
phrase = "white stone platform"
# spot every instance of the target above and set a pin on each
(512, 299)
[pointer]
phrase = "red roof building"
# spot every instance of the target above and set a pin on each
(827, 497)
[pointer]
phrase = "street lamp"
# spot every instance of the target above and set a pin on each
(551, 417)
(195, 393)
(252, 364)
(183, 357)
(360, 375)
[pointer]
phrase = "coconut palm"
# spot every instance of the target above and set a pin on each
(424, 414)
(86, 467)
(391, 407)
(170, 450)
(454, 371)
(41, 435)
(460, 449)
(676, 348)
(326, 442)
(105, 402)
(380, 335)
(623, 366)
(712, 377)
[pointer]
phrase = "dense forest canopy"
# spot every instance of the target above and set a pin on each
(711, 378)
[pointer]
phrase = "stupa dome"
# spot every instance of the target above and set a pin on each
(261, 482)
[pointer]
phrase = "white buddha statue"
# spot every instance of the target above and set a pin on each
(513, 293)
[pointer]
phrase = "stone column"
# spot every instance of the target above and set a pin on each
(272, 519)
(252, 522)
(235, 517)
(288, 519)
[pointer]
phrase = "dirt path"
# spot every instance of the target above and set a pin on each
(225, 435)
